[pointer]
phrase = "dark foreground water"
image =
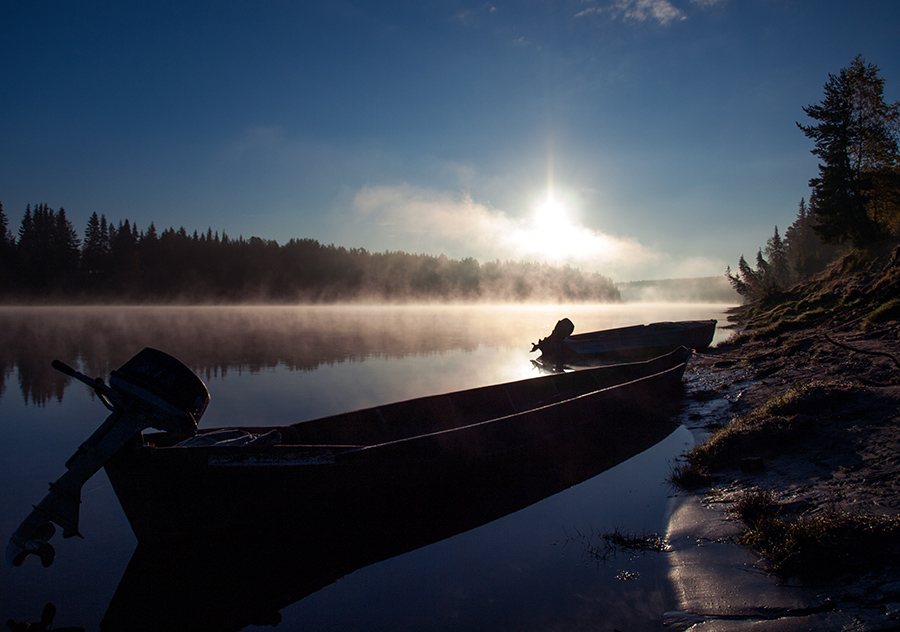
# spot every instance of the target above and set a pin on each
(535, 569)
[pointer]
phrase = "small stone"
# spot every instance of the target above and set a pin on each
(892, 610)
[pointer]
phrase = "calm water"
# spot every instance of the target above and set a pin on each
(530, 570)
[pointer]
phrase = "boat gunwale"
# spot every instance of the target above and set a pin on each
(642, 329)
(341, 450)
(676, 368)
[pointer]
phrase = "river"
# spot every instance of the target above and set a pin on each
(536, 569)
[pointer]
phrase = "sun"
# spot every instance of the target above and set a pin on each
(552, 226)
(552, 234)
(550, 214)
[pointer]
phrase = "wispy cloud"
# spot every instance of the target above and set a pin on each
(425, 220)
(470, 17)
(660, 11)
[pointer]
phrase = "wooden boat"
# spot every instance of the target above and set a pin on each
(203, 583)
(357, 470)
(624, 343)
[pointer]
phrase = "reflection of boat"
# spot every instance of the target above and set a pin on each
(204, 583)
(624, 343)
(338, 474)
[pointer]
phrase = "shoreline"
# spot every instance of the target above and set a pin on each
(846, 458)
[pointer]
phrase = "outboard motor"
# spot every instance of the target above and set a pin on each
(151, 390)
(561, 331)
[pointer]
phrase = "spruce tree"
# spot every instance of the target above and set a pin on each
(856, 141)
(95, 248)
(779, 268)
(5, 237)
(6, 252)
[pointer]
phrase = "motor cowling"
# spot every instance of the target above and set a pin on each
(164, 388)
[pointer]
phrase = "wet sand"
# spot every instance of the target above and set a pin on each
(848, 460)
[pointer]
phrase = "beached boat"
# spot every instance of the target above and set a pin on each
(203, 583)
(343, 473)
(624, 343)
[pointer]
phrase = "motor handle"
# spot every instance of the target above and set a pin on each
(96, 383)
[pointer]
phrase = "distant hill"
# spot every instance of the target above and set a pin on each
(715, 289)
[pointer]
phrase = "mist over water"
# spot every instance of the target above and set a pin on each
(217, 340)
(273, 365)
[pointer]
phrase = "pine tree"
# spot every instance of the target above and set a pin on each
(26, 228)
(66, 248)
(5, 237)
(779, 268)
(856, 140)
(747, 282)
(807, 254)
(95, 248)
(47, 250)
(6, 253)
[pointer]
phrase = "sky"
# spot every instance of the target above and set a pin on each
(641, 139)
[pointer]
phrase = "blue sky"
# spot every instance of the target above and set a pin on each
(663, 130)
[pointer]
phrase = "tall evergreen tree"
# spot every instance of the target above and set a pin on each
(5, 237)
(66, 245)
(95, 248)
(6, 253)
(47, 249)
(857, 142)
(26, 228)
(807, 254)
(779, 268)
(124, 257)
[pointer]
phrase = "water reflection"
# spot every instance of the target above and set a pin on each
(283, 364)
(216, 340)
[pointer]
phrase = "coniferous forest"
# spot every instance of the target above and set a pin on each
(854, 200)
(47, 261)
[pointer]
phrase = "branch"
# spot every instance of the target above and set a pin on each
(857, 350)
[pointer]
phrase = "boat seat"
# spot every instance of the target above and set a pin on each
(232, 437)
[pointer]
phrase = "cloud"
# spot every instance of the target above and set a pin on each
(661, 11)
(415, 219)
(642, 10)
(471, 17)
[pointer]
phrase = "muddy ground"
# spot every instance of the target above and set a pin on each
(840, 454)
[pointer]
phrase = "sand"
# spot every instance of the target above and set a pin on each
(847, 458)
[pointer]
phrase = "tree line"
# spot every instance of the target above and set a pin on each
(854, 200)
(48, 261)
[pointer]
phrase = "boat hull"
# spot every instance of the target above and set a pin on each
(228, 583)
(630, 343)
(178, 493)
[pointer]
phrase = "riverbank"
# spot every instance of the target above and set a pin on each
(803, 411)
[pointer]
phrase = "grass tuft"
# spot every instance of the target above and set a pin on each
(821, 546)
(774, 426)
(885, 312)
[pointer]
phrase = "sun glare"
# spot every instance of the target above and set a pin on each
(550, 213)
(552, 234)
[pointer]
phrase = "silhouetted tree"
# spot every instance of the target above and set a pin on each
(122, 263)
(779, 268)
(48, 249)
(125, 273)
(856, 138)
(7, 245)
(95, 258)
(5, 236)
(807, 253)
(747, 282)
